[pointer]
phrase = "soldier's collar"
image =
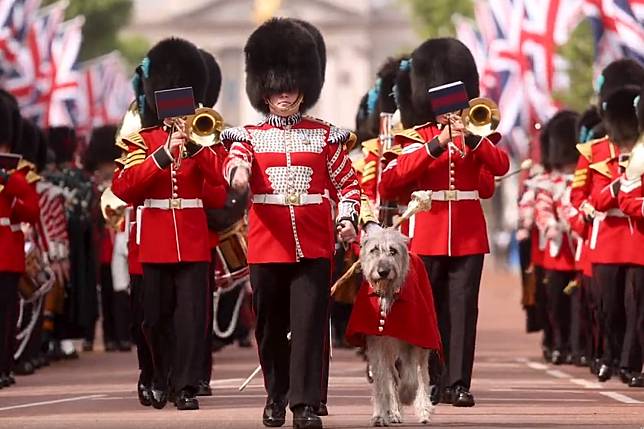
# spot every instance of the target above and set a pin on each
(283, 121)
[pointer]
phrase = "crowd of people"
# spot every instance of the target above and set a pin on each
(580, 231)
(199, 234)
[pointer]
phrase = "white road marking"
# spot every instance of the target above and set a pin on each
(56, 401)
(621, 398)
(588, 384)
(536, 365)
(557, 374)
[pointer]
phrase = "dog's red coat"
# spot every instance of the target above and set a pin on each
(412, 317)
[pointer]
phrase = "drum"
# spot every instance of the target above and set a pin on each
(37, 275)
(231, 264)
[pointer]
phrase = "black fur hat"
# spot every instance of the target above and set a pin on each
(365, 125)
(319, 43)
(620, 82)
(544, 148)
(171, 63)
(214, 79)
(402, 95)
(387, 75)
(562, 138)
(587, 122)
(41, 154)
(29, 142)
(282, 55)
(438, 62)
(62, 141)
(11, 121)
(101, 148)
(639, 110)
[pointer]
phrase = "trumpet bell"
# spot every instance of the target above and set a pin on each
(112, 208)
(205, 126)
(482, 117)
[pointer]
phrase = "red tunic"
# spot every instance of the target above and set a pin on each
(631, 202)
(166, 235)
(18, 203)
(412, 317)
(452, 228)
(294, 156)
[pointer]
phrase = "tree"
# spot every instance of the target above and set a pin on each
(103, 20)
(434, 19)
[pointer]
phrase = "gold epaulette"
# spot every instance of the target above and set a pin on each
(602, 168)
(132, 158)
(369, 171)
(32, 177)
(136, 139)
(371, 146)
(586, 149)
(411, 134)
(23, 164)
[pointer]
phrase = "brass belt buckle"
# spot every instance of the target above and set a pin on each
(175, 203)
(450, 195)
(293, 199)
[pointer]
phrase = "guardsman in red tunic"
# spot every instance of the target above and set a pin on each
(293, 165)
(166, 171)
(18, 203)
(451, 238)
(553, 209)
(631, 202)
(613, 238)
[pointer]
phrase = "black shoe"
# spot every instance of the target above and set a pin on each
(322, 410)
(435, 394)
(625, 375)
(111, 346)
(605, 373)
(218, 345)
(546, 352)
(462, 397)
(125, 346)
(595, 364)
(159, 398)
(447, 396)
(186, 401)
(244, 342)
(581, 361)
(88, 346)
(12, 379)
(274, 413)
(305, 417)
(24, 368)
(636, 381)
(203, 388)
(145, 394)
(557, 358)
(4, 381)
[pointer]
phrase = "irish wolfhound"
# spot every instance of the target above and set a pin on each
(400, 368)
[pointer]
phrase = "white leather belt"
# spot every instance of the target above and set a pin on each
(615, 213)
(599, 218)
(5, 221)
(455, 195)
(173, 203)
(293, 199)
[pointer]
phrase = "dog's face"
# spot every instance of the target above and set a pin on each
(385, 260)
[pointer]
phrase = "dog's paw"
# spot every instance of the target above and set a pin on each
(379, 421)
(394, 417)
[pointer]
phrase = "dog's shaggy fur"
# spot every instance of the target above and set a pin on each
(385, 263)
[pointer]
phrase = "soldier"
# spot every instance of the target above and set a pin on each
(18, 203)
(631, 201)
(612, 238)
(166, 171)
(452, 237)
(289, 161)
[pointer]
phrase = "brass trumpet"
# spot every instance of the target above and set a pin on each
(205, 126)
(482, 117)
(112, 209)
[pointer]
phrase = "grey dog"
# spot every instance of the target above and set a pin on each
(385, 263)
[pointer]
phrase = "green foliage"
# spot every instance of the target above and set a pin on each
(103, 20)
(433, 18)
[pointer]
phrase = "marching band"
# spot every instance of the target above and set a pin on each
(209, 231)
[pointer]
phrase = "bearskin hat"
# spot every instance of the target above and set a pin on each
(387, 76)
(402, 95)
(214, 79)
(438, 62)
(587, 122)
(171, 63)
(11, 125)
(62, 141)
(282, 55)
(639, 110)
(544, 148)
(101, 148)
(29, 141)
(366, 128)
(620, 82)
(41, 153)
(319, 43)
(562, 138)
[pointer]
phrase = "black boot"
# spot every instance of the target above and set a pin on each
(159, 398)
(462, 397)
(322, 410)
(203, 388)
(145, 394)
(304, 417)
(625, 375)
(186, 400)
(24, 367)
(605, 373)
(637, 380)
(274, 413)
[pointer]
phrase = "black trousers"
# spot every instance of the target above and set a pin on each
(174, 301)
(292, 296)
(596, 319)
(143, 354)
(633, 347)
(542, 307)
(8, 319)
(455, 284)
(612, 281)
(107, 303)
(559, 308)
(581, 332)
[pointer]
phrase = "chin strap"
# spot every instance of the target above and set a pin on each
(291, 109)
